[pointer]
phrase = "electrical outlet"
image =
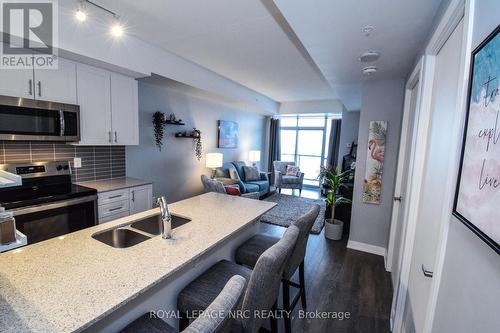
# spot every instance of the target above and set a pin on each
(77, 162)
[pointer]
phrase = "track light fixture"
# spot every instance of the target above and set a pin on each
(116, 29)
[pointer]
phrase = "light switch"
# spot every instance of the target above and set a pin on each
(77, 162)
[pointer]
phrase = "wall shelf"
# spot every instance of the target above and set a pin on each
(173, 122)
(189, 136)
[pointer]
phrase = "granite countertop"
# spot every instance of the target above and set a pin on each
(68, 283)
(114, 184)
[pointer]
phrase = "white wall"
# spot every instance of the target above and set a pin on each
(175, 171)
(381, 100)
(333, 106)
(470, 284)
(348, 132)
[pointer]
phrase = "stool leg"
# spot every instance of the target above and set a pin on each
(286, 305)
(302, 282)
(274, 321)
(183, 321)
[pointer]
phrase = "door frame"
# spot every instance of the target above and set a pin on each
(456, 11)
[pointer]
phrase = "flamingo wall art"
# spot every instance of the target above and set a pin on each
(372, 187)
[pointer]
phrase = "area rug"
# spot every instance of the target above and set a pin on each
(289, 208)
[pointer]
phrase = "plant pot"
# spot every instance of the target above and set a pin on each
(333, 230)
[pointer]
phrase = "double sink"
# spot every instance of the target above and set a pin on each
(127, 236)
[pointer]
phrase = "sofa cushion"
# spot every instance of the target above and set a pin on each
(290, 180)
(252, 187)
(263, 184)
(251, 173)
(223, 172)
(239, 167)
(233, 190)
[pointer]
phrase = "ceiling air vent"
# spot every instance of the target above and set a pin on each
(369, 56)
(370, 70)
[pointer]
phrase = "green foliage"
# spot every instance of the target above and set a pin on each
(335, 180)
(158, 122)
(198, 146)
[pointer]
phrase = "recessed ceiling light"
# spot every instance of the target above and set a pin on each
(117, 28)
(369, 70)
(369, 56)
(368, 29)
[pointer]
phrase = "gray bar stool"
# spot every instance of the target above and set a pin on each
(249, 252)
(261, 292)
(225, 302)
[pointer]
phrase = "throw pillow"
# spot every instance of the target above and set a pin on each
(251, 173)
(233, 174)
(292, 170)
(232, 190)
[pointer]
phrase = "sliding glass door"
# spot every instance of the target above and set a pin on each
(303, 141)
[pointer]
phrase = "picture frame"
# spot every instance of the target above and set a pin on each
(227, 135)
(477, 194)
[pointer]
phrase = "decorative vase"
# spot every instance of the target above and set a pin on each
(333, 230)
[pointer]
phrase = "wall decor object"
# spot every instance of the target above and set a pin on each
(477, 196)
(372, 186)
(228, 134)
(159, 122)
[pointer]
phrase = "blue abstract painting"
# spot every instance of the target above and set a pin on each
(228, 134)
(478, 188)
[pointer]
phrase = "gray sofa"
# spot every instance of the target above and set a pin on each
(212, 185)
(234, 170)
(281, 180)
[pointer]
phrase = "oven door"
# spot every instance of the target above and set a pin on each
(22, 119)
(50, 220)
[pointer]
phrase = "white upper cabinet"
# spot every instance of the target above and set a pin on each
(95, 105)
(124, 110)
(17, 83)
(56, 85)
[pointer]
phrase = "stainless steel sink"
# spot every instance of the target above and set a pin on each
(151, 225)
(120, 238)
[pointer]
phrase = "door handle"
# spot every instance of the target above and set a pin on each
(40, 88)
(30, 87)
(116, 136)
(398, 198)
(427, 273)
(109, 137)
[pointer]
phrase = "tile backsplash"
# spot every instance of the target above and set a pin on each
(98, 162)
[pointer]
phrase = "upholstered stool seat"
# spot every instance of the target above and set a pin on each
(197, 295)
(146, 324)
(250, 251)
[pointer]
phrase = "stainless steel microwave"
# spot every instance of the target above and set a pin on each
(31, 120)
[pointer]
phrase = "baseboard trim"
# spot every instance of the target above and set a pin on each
(373, 249)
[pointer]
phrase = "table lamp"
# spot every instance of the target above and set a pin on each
(213, 161)
(254, 157)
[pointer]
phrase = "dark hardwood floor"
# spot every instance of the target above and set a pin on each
(342, 280)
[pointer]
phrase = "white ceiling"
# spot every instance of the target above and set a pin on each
(239, 40)
(331, 31)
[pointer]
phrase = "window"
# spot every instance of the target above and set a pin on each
(304, 140)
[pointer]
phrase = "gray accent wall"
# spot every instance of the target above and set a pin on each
(470, 283)
(175, 171)
(381, 100)
(98, 162)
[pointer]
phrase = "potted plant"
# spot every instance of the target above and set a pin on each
(334, 180)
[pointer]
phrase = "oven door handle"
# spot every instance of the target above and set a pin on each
(45, 207)
(62, 123)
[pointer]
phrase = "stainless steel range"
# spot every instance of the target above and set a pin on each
(47, 204)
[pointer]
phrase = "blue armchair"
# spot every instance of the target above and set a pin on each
(234, 170)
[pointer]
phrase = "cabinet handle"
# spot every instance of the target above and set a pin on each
(133, 196)
(113, 209)
(115, 196)
(110, 139)
(116, 136)
(40, 88)
(30, 87)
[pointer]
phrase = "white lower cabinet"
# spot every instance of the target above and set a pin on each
(115, 204)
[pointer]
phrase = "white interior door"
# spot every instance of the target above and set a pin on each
(433, 190)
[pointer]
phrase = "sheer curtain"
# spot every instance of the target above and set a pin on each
(274, 146)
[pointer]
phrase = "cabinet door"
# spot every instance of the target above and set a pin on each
(141, 198)
(17, 83)
(124, 110)
(95, 105)
(57, 85)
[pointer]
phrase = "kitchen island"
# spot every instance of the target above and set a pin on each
(76, 283)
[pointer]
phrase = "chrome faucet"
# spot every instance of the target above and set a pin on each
(165, 218)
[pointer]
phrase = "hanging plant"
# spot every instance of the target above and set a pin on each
(198, 146)
(159, 123)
